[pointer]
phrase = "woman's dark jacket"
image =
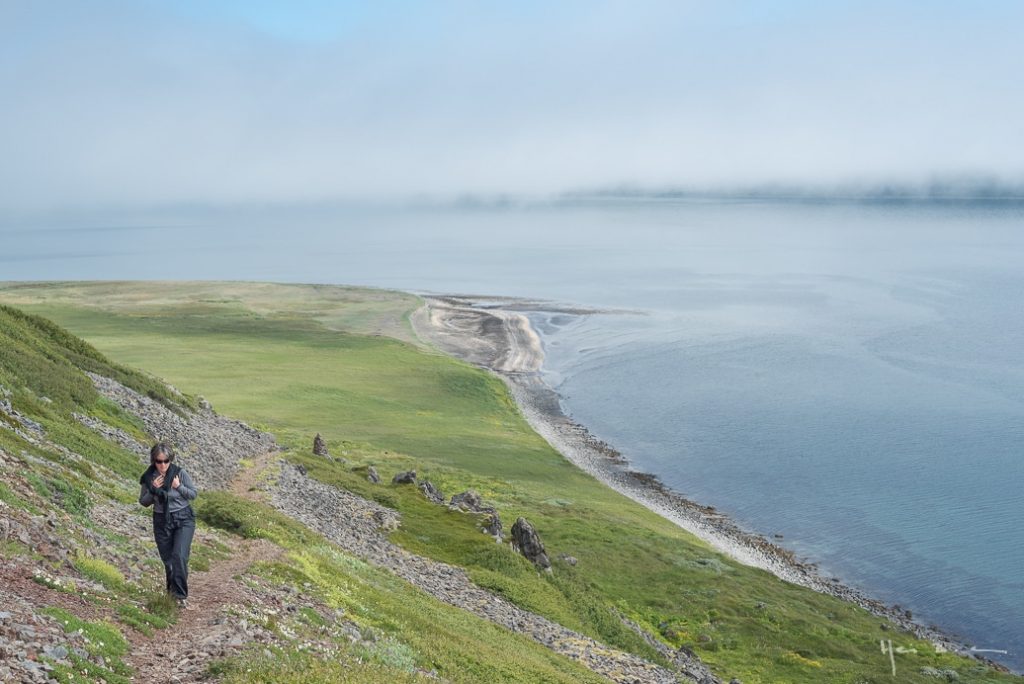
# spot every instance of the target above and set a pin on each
(167, 499)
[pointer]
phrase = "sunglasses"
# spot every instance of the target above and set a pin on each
(159, 461)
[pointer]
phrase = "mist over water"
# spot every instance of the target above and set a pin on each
(848, 375)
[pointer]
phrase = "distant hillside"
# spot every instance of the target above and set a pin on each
(939, 190)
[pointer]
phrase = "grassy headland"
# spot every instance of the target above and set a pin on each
(296, 360)
(82, 554)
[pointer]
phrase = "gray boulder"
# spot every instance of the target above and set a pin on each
(492, 524)
(432, 492)
(408, 477)
(372, 476)
(526, 541)
(320, 447)
(467, 501)
(471, 502)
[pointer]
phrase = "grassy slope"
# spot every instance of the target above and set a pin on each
(266, 356)
(411, 629)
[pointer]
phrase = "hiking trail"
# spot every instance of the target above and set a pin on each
(182, 651)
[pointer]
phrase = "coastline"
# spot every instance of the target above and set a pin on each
(495, 334)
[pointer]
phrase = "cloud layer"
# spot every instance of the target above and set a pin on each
(135, 104)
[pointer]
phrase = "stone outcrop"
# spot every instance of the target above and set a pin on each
(470, 502)
(526, 541)
(432, 492)
(467, 501)
(320, 447)
(492, 525)
(408, 477)
(371, 475)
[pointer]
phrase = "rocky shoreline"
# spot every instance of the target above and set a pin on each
(498, 336)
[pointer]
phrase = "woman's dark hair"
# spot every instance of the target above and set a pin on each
(161, 449)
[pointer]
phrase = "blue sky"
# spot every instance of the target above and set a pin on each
(144, 103)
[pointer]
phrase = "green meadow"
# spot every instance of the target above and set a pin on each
(344, 362)
(405, 635)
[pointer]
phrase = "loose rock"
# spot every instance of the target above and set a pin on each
(526, 541)
(319, 447)
(209, 446)
(471, 502)
(493, 526)
(408, 477)
(466, 501)
(432, 492)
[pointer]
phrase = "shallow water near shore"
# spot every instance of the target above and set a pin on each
(905, 484)
(848, 376)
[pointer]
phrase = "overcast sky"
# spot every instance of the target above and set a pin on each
(143, 102)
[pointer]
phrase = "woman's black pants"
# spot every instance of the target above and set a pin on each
(174, 540)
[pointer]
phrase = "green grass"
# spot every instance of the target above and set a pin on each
(417, 629)
(233, 514)
(454, 537)
(8, 496)
(112, 414)
(203, 554)
(69, 497)
(299, 668)
(145, 621)
(162, 606)
(100, 571)
(267, 357)
(12, 548)
(103, 639)
(49, 361)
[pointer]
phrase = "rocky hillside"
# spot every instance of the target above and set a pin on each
(290, 574)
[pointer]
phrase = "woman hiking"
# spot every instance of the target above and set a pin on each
(168, 488)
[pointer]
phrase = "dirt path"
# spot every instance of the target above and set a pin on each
(181, 652)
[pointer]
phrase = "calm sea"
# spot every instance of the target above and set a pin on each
(850, 376)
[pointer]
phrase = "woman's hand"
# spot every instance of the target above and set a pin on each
(158, 481)
(175, 482)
